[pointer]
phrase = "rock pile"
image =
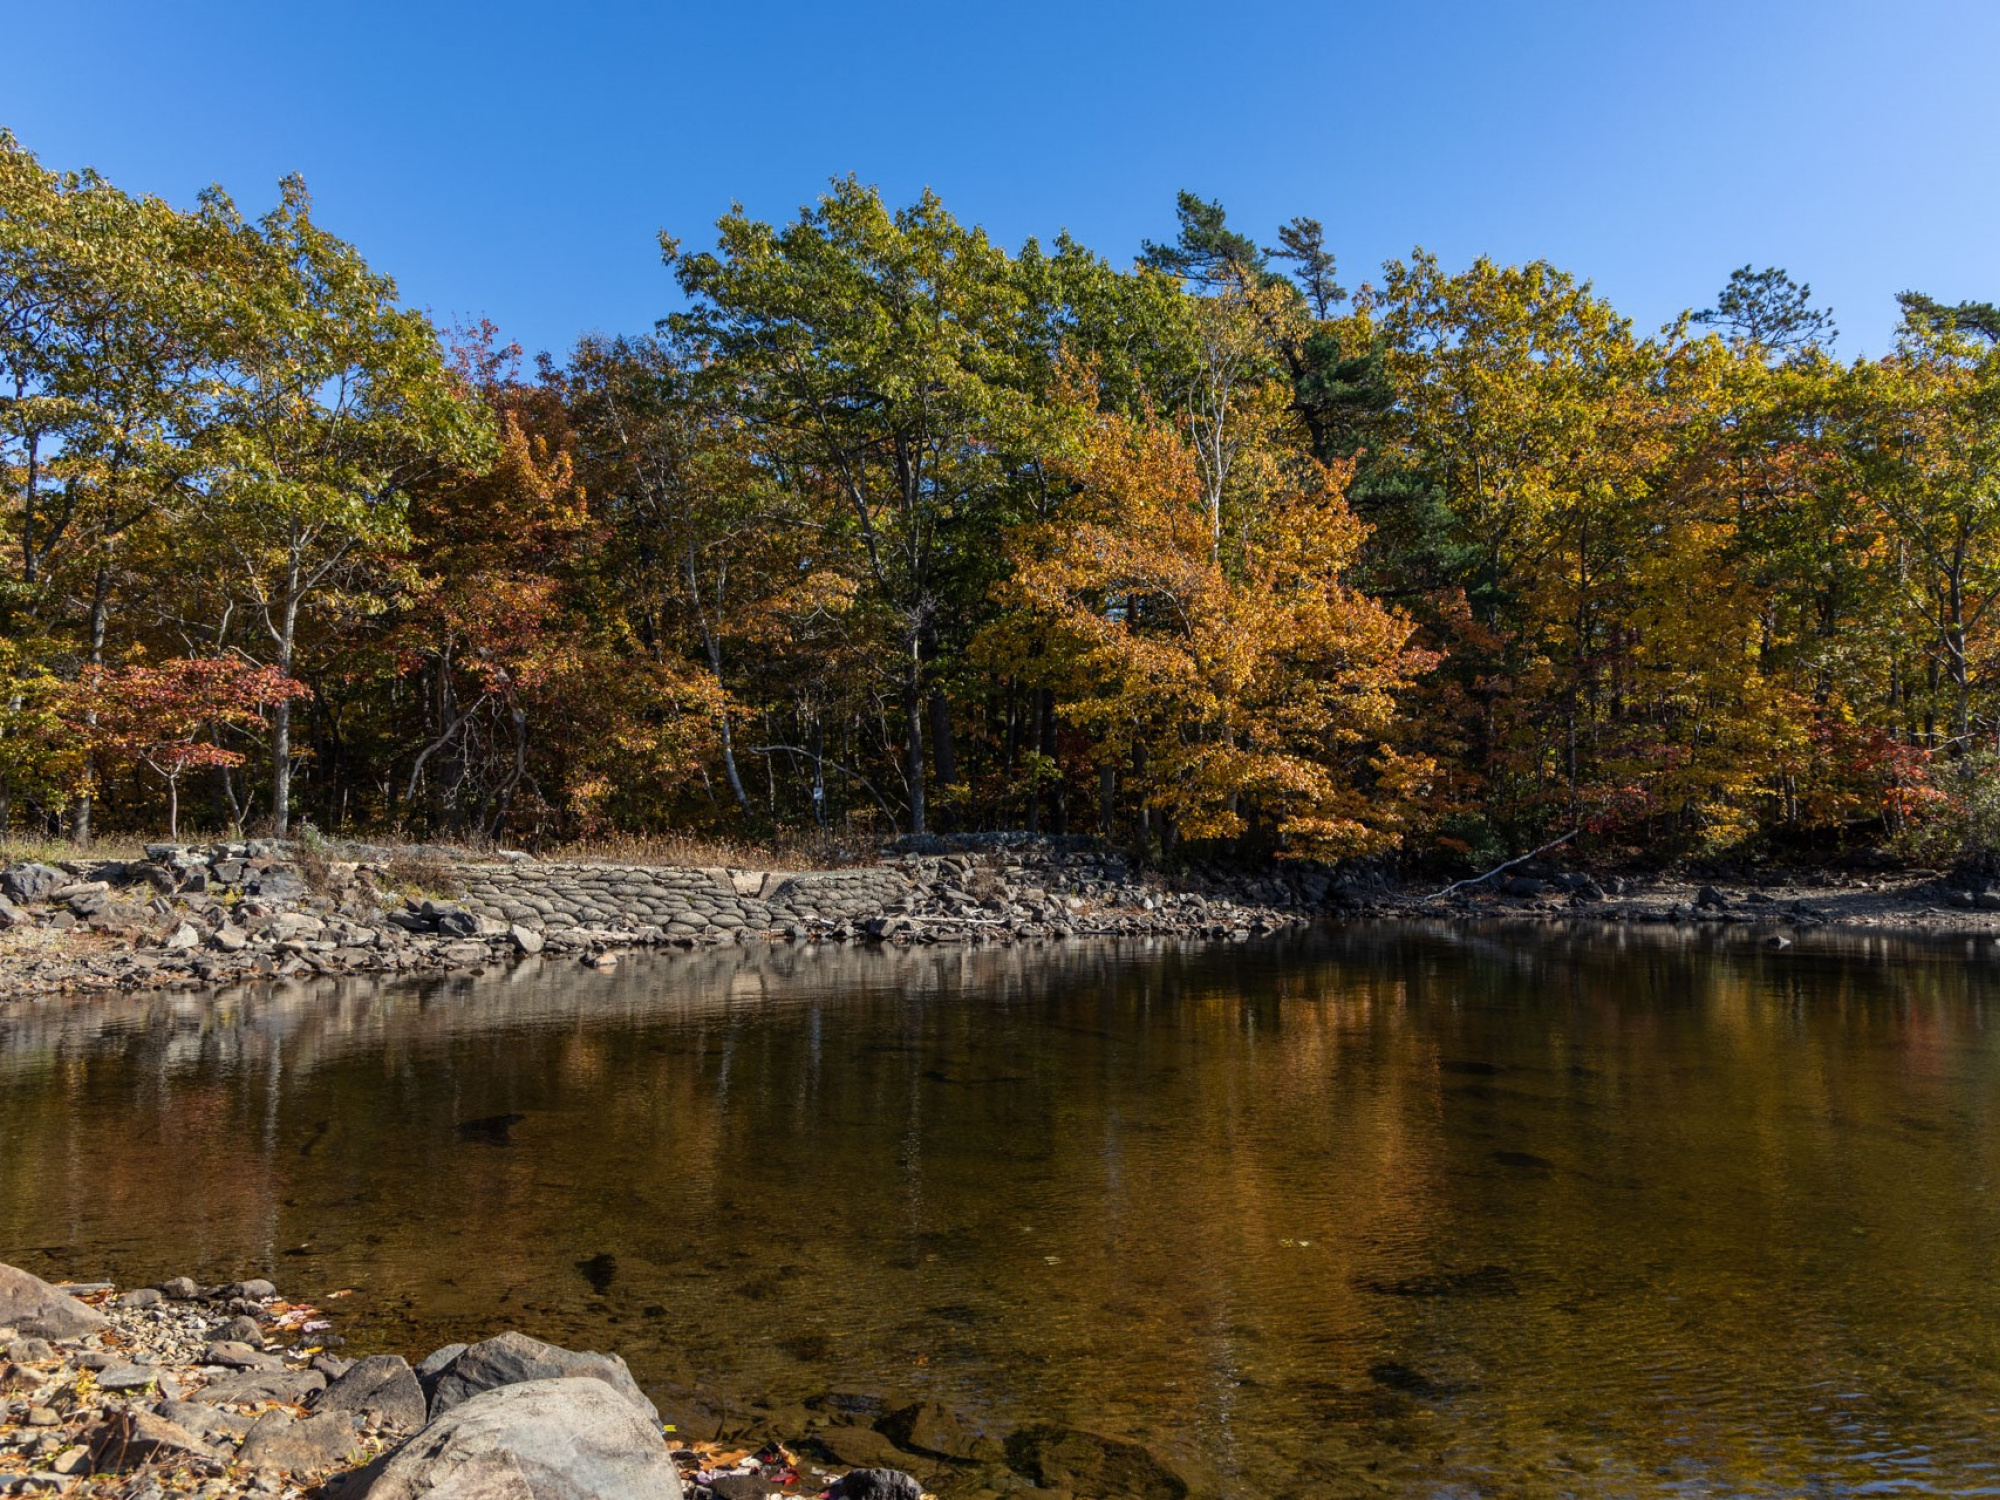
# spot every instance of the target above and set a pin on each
(187, 917)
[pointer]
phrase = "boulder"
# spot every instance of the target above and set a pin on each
(240, 1329)
(123, 1378)
(561, 1439)
(1066, 1458)
(382, 1388)
(30, 882)
(30, 1306)
(205, 1422)
(311, 1445)
(526, 939)
(439, 1360)
(126, 1439)
(876, 1484)
(514, 1359)
(234, 1354)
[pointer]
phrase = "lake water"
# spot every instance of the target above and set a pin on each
(1384, 1210)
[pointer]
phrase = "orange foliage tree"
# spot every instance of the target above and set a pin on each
(1243, 681)
(170, 718)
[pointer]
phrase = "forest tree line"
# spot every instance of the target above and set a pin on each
(893, 526)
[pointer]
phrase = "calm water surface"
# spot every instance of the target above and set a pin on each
(1378, 1210)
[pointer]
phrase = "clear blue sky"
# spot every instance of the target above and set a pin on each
(515, 160)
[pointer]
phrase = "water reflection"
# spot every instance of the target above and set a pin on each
(1383, 1210)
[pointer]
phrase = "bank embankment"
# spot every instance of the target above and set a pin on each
(191, 917)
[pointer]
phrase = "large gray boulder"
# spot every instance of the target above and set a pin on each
(382, 1388)
(514, 1358)
(38, 1310)
(30, 882)
(560, 1439)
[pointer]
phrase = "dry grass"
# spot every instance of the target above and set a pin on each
(984, 881)
(788, 850)
(16, 850)
(431, 873)
(420, 873)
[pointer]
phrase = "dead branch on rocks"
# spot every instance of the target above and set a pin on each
(1459, 885)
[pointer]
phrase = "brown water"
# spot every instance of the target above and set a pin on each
(1381, 1210)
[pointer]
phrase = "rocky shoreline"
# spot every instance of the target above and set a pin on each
(187, 917)
(220, 1391)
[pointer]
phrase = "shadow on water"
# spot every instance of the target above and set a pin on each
(1384, 1208)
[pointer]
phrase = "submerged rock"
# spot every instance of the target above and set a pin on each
(858, 1447)
(1089, 1463)
(931, 1428)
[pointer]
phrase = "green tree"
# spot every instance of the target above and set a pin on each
(879, 356)
(337, 401)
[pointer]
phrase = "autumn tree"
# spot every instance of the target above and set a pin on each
(337, 401)
(1252, 688)
(171, 718)
(1927, 437)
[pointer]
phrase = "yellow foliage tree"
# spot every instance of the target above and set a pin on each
(1241, 684)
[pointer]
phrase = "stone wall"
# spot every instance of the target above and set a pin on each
(681, 903)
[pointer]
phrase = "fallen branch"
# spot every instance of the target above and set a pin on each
(1459, 885)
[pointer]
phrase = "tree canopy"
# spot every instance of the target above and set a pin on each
(892, 526)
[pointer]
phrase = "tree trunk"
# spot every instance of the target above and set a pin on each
(913, 714)
(100, 613)
(281, 724)
(1058, 804)
(729, 767)
(944, 752)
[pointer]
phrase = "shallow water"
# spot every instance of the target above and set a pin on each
(1376, 1210)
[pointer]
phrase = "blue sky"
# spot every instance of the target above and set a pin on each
(515, 161)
